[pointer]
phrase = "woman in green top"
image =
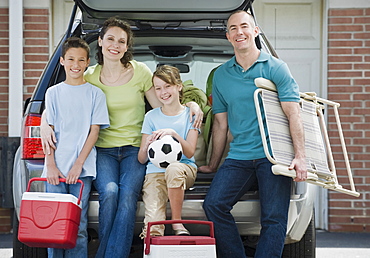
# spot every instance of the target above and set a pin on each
(119, 179)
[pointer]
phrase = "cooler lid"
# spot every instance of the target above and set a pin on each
(183, 240)
(52, 197)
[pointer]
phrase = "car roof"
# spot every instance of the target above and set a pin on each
(161, 10)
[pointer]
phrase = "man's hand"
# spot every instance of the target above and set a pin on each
(293, 112)
(206, 169)
(299, 164)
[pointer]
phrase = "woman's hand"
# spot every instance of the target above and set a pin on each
(196, 112)
(47, 135)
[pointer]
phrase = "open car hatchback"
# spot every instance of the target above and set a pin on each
(191, 36)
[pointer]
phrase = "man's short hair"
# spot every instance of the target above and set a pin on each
(242, 11)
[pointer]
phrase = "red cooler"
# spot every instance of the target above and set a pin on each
(49, 219)
(180, 246)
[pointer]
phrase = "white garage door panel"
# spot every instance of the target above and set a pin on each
(62, 10)
(294, 28)
(305, 67)
(290, 24)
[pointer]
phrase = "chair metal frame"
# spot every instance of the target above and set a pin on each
(320, 162)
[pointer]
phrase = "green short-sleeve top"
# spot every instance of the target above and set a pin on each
(126, 106)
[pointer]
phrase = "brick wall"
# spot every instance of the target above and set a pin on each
(35, 48)
(4, 59)
(349, 84)
(5, 220)
(36, 55)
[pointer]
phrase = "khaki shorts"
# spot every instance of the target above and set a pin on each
(155, 195)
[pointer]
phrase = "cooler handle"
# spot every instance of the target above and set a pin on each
(61, 180)
(148, 236)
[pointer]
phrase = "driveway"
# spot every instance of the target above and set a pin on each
(328, 245)
(342, 245)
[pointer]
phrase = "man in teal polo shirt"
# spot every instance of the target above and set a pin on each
(246, 163)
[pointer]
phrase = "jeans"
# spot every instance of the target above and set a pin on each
(80, 250)
(231, 182)
(119, 181)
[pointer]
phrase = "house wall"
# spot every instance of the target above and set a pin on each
(349, 84)
(4, 66)
(348, 80)
(35, 52)
(35, 47)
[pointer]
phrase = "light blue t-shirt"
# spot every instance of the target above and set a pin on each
(155, 120)
(232, 92)
(72, 110)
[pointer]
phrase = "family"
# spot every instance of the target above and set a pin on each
(95, 128)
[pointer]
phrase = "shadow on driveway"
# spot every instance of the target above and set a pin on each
(342, 240)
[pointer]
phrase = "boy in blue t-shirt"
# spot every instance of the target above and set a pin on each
(170, 183)
(76, 110)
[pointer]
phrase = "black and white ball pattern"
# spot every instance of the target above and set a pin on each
(165, 151)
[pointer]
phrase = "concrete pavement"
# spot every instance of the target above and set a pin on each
(342, 245)
(328, 245)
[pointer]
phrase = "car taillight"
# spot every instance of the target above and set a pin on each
(31, 141)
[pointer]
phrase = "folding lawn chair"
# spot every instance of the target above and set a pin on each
(319, 157)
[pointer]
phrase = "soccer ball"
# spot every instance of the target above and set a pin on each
(164, 151)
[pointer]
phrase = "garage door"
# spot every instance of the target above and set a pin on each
(295, 29)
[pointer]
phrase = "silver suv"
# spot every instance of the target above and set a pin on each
(191, 36)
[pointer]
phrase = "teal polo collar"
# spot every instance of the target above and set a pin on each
(263, 57)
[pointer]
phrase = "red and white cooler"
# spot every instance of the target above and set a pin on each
(180, 246)
(49, 219)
